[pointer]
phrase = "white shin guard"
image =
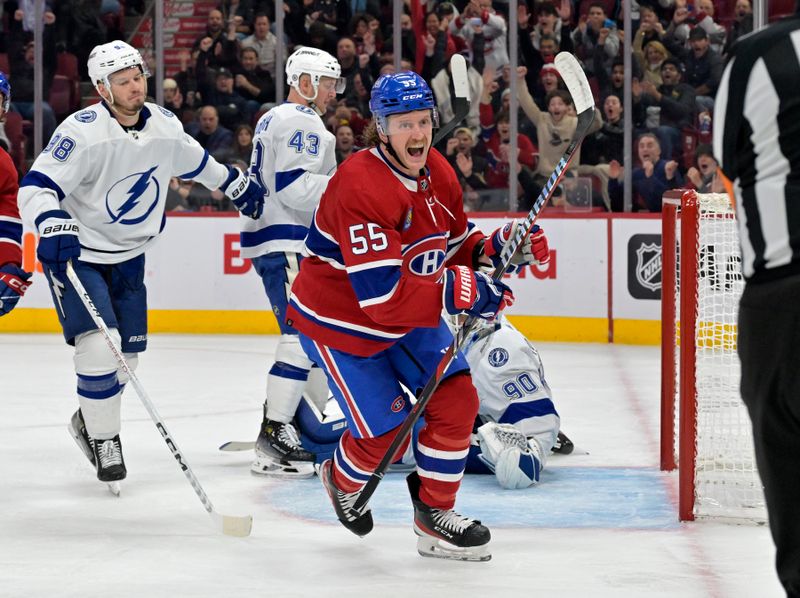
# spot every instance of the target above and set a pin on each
(94, 358)
(286, 382)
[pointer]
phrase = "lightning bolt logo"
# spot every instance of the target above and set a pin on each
(58, 293)
(134, 196)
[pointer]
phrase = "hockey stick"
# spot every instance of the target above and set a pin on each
(227, 524)
(233, 446)
(573, 75)
(458, 74)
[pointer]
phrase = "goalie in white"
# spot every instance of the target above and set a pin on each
(520, 424)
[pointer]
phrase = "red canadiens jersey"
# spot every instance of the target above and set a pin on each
(377, 247)
(10, 223)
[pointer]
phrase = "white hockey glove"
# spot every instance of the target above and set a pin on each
(515, 461)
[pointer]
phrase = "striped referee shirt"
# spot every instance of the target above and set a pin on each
(757, 144)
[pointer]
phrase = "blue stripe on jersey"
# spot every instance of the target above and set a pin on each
(196, 171)
(34, 178)
(343, 329)
(323, 247)
(516, 412)
(374, 282)
(98, 387)
(287, 370)
(439, 465)
(11, 230)
(293, 232)
(284, 179)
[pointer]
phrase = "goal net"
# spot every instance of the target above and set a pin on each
(704, 423)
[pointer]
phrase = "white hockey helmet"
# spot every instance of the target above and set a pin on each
(111, 57)
(316, 63)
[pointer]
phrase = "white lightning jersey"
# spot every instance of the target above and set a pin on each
(293, 158)
(114, 182)
(509, 377)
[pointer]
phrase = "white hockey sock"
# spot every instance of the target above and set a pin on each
(285, 385)
(287, 379)
(102, 417)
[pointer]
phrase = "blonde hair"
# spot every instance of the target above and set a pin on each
(370, 136)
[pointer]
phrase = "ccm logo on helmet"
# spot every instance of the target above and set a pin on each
(413, 96)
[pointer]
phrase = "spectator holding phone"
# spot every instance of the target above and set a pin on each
(688, 17)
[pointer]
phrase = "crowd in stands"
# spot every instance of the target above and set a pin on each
(227, 81)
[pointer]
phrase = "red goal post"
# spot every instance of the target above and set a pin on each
(705, 429)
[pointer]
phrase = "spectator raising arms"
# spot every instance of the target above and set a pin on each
(554, 128)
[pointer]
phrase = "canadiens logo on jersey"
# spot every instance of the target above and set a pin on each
(426, 257)
(132, 199)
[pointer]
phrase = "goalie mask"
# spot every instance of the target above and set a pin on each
(107, 59)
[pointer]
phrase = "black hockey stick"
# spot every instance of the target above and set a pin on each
(227, 524)
(458, 74)
(573, 75)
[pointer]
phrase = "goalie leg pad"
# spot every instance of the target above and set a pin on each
(517, 461)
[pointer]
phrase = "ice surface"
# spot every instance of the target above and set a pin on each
(602, 522)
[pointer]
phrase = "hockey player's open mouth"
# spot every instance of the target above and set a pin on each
(416, 151)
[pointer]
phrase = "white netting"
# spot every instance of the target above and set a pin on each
(726, 479)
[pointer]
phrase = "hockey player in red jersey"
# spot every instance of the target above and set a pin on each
(389, 247)
(13, 279)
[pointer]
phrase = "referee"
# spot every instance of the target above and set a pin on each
(757, 144)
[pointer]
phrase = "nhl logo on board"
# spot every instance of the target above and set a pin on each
(644, 266)
(398, 404)
(498, 357)
(648, 266)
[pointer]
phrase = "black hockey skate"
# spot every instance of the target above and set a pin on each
(445, 534)
(563, 444)
(279, 452)
(343, 503)
(104, 455)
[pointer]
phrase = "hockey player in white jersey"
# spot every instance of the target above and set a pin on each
(96, 194)
(293, 158)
